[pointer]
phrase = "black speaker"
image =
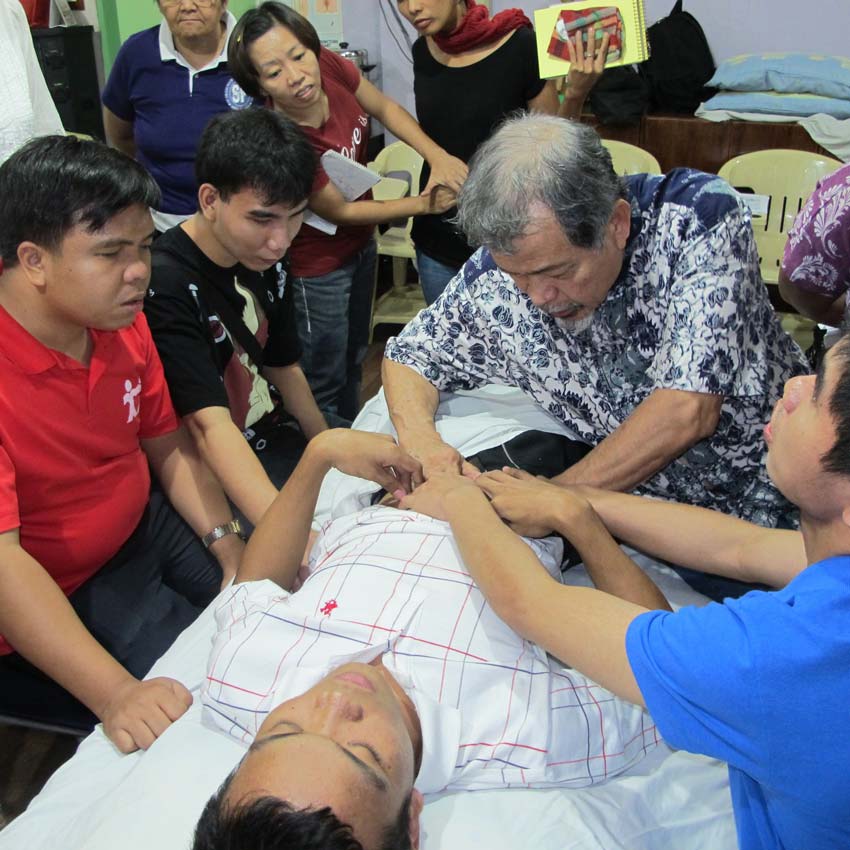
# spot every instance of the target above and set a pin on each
(66, 56)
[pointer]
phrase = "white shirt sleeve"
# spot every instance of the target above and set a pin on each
(26, 108)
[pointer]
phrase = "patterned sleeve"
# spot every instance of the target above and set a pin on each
(716, 310)
(817, 253)
(457, 342)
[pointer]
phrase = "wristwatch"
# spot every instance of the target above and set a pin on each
(232, 527)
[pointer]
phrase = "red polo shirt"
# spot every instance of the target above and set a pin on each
(73, 476)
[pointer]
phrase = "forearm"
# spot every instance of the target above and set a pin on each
(227, 453)
(277, 544)
(411, 400)
(583, 627)
(822, 308)
(194, 492)
(370, 212)
(659, 429)
(701, 539)
(572, 105)
(610, 569)
(39, 622)
(298, 398)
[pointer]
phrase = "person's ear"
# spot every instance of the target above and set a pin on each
(34, 261)
(208, 201)
(845, 516)
(621, 223)
(417, 802)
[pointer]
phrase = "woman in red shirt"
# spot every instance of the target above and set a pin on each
(275, 54)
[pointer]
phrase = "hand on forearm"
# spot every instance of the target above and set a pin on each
(447, 171)
(39, 622)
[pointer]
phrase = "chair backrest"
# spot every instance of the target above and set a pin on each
(630, 159)
(401, 168)
(787, 178)
(399, 160)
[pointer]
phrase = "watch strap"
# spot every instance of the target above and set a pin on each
(232, 527)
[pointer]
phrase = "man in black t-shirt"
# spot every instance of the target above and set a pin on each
(221, 311)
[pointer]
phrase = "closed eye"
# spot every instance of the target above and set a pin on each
(369, 749)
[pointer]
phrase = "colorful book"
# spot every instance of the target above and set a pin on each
(623, 20)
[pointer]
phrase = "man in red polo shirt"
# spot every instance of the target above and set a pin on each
(98, 572)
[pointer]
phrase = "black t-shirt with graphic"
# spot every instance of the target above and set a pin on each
(196, 349)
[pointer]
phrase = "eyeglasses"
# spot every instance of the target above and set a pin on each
(201, 4)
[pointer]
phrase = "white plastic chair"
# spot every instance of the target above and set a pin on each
(630, 159)
(787, 178)
(401, 168)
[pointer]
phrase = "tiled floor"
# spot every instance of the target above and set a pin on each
(29, 757)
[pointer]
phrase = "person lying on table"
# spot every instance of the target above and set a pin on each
(386, 675)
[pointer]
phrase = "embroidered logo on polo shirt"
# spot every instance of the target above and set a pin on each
(130, 399)
(235, 96)
(328, 607)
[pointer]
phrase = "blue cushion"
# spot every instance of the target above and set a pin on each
(773, 103)
(828, 76)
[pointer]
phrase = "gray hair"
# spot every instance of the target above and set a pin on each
(534, 158)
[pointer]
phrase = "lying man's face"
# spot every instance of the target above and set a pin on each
(352, 742)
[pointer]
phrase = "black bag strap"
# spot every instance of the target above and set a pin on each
(233, 323)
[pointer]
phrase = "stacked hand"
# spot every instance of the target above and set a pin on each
(432, 497)
(438, 200)
(534, 507)
(376, 457)
(436, 457)
(448, 171)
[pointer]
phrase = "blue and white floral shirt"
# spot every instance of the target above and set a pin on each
(688, 311)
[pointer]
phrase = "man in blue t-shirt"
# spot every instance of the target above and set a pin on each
(761, 682)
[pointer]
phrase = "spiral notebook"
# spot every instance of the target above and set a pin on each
(623, 20)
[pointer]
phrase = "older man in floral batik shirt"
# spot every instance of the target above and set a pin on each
(631, 309)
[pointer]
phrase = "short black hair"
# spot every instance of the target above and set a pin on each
(259, 149)
(256, 23)
(269, 823)
(54, 183)
(837, 459)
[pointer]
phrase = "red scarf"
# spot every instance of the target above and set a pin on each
(476, 29)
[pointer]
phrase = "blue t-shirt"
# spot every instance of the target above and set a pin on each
(763, 683)
(169, 108)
